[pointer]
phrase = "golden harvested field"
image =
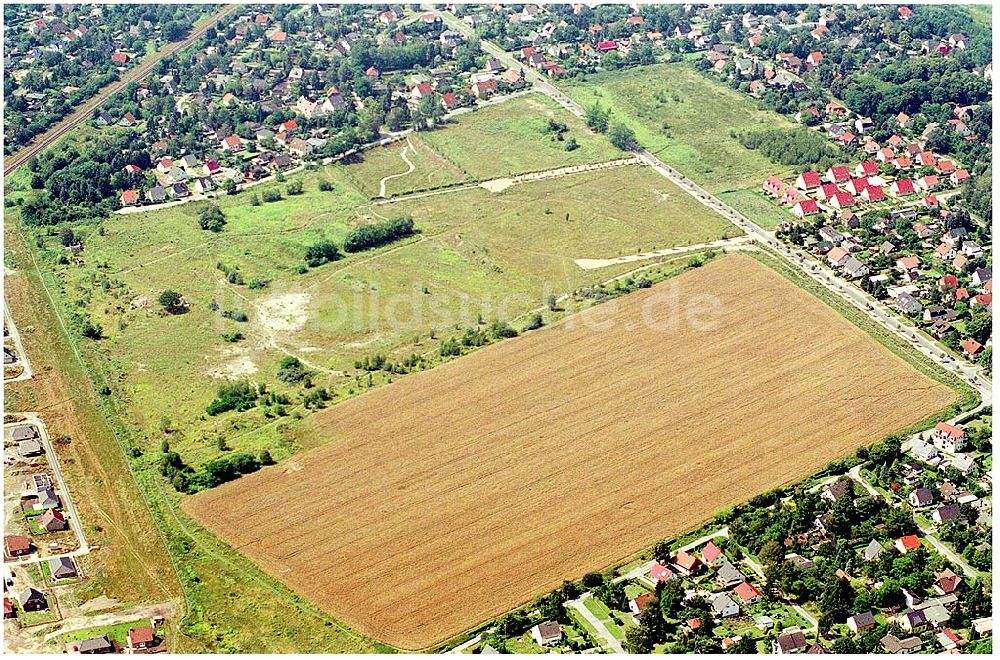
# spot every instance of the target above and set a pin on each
(461, 492)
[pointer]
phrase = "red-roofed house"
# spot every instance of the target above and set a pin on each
(837, 256)
(790, 196)
(827, 191)
(687, 563)
(842, 200)
(129, 197)
(814, 58)
(909, 263)
(711, 553)
(449, 100)
(838, 173)
(606, 46)
(805, 208)
(638, 604)
(661, 573)
(808, 180)
(119, 58)
(232, 143)
(866, 168)
(164, 165)
(901, 188)
(858, 186)
(903, 163)
(959, 177)
(748, 593)
(929, 182)
(971, 347)
(422, 90)
(885, 155)
(948, 281)
(484, 88)
(948, 437)
(945, 166)
(930, 202)
(773, 186)
(288, 126)
(874, 194)
(907, 543)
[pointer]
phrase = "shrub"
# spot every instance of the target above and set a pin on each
(170, 300)
(321, 253)
(237, 396)
(291, 370)
(211, 218)
(272, 196)
(325, 185)
(377, 233)
(294, 188)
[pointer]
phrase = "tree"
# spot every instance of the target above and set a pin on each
(320, 253)
(67, 237)
(265, 457)
(291, 370)
(597, 118)
(229, 186)
(621, 136)
(211, 218)
(746, 646)
(170, 300)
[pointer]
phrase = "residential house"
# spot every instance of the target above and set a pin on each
(724, 607)
(729, 576)
(17, 545)
(949, 438)
(62, 568)
(791, 641)
(860, 623)
(547, 634)
(906, 543)
(921, 497)
(747, 593)
(638, 604)
(142, 637)
(946, 512)
(893, 644)
(687, 563)
(32, 600)
(52, 521)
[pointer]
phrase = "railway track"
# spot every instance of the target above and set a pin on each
(83, 112)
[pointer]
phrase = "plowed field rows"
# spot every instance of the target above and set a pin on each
(458, 493)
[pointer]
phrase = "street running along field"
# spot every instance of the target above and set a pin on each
(458, 493)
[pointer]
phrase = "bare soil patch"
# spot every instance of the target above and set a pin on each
(458, 493)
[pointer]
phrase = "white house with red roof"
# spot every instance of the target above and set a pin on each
(808, 181)
(638, 604)
(827, 191)
(686, 563)
(790, 196)
(806, 207)
(838, 173)
(858, 186)
(873, 194)
(129, 197)
(747, 593)
(660, 573)
(949, 438)
(901, 188)
(971, 347)
(773, 186)
(842, 200)
(958, 177)
(866, 168)
(231, 143)
(906, 543)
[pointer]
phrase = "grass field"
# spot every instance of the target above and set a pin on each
(430, 170)
(497, 255)
(490, 479)
(688, 121)
(510, 138)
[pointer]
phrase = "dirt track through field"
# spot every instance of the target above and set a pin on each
(456, 494)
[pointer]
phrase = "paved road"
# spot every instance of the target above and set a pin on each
(928, 532)
(817, 270)
(22, 355)
(598, 625)
(85, 109)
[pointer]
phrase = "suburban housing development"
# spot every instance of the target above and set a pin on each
(497, 328)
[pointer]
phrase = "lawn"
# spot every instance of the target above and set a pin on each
(117, 633)
(511, 138)
(757, 207)
(688, 121)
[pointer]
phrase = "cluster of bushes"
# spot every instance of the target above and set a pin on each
(797, 146)
(321, 253)
(212, 218)
(377, 233)
(291, 370)
(186, 479)
(238, 396)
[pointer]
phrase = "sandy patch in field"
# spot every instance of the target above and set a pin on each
(458, 493)
(285, 313)
(497, 185)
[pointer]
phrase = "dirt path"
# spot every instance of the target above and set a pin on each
(410, 167)
(590, 264)
(80, 622)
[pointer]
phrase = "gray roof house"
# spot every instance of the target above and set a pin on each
(723, 606)
(28, 448)
(61, 568)
(729, 576)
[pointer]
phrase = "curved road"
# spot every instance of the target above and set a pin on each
(84, 110)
